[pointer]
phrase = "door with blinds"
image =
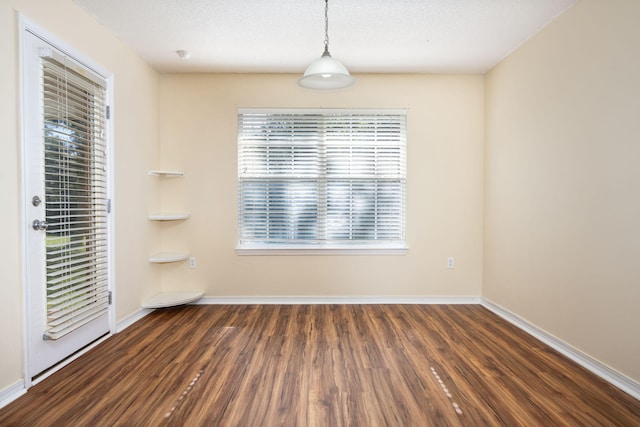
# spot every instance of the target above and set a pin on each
(66, 196)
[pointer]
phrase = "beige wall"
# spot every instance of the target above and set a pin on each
(555, 160)
(136, 150)
(562, 204)
(10, 273)
(444, 197)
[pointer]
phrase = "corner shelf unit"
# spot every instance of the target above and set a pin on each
(168, 216)
(171, 298)
(166, 173)
(165, 257)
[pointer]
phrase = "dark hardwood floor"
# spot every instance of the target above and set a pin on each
(323, 365)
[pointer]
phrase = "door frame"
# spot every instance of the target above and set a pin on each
(24, 25)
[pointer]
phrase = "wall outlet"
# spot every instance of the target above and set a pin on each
(192, 262)
(450, 262)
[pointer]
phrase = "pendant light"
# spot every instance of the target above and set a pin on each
(326, 73)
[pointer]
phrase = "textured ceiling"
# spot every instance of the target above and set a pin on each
(431, 36)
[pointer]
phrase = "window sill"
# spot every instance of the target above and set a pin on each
(288, 250)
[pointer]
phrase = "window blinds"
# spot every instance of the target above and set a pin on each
(321, 177)
(75, 196)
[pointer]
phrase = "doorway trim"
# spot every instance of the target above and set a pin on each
(26, 25)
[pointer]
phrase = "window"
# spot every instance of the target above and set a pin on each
(321, 180)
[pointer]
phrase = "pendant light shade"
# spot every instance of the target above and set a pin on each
(326, 73)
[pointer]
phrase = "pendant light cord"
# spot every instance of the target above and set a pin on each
(326, 73)
(326, 28)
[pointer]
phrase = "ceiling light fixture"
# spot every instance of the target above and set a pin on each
(183, 54)
(326, 73)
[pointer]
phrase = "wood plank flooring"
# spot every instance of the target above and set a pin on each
(323, 365)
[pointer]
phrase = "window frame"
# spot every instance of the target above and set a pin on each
(359, 247)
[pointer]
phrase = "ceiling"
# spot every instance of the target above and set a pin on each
(280, 36)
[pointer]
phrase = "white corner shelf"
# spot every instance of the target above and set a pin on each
(165, 173)
(168, 216)
(171, 299)
(165, 257)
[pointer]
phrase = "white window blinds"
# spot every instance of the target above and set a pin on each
(75, 195)
(321, 178)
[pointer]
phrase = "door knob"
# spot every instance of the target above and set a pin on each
(39, 225)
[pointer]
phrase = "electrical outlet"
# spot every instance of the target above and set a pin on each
(192, 262)
(450, 262)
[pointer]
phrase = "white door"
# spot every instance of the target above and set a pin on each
(66, 196)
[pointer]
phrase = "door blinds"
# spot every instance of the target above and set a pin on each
(314, 178)
(75, 195)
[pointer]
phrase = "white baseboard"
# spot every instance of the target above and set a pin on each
(614, 377)
(11, 393)
(131, 319)
(289, 300)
